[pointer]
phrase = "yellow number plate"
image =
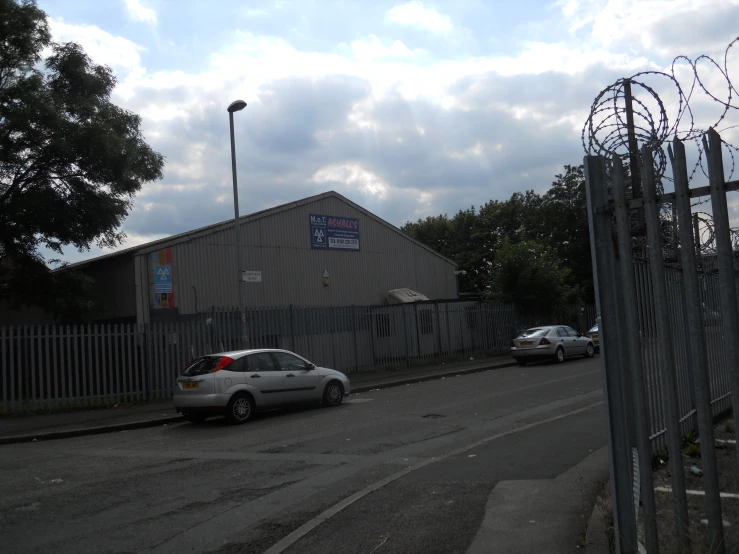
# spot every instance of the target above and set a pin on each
(190, 385)
(526, 343)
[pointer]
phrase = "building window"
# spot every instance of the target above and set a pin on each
(382, 322)
(426, 322)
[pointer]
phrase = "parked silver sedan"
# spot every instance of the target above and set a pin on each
(237, 384)
(594, 335)
(550, 342)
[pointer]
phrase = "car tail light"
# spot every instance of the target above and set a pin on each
(222, 363)
(544, 341)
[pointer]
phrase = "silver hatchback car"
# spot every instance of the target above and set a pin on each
(237, 384)
(550, 342)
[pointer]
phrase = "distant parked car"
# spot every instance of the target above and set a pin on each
(550, 342)
(594, 335)
(237, 384)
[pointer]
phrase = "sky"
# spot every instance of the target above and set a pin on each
(409, 109)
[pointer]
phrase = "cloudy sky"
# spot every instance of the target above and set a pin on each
(409, 109)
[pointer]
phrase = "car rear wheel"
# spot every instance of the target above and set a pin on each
(333, 394)
(240, 409)
(590, 350)
(559, 355)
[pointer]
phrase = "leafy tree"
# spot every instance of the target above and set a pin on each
(530, 275)
(70, 160)
(564, 226)
(435, 231)
(460, 238)
(556, 220)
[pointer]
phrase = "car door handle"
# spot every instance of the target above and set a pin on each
(290, 375)
(255, 376)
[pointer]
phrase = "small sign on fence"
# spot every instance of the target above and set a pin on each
(251, 276)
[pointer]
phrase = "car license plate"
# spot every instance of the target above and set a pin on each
(525, 343)
(190, 385)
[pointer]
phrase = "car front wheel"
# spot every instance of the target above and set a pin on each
(333, 394)
(590, 350)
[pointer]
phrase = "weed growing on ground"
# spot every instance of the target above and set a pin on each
(693, 450)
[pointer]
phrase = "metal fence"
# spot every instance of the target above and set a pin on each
(669, 329)
(53, 366)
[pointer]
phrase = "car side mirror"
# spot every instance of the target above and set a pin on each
(311, 366)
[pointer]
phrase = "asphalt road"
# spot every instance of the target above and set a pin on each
(440, 447)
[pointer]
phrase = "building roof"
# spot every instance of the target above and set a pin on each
(188, 235)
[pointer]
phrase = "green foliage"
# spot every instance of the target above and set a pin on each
(70, 160)
(690, 437)
(556, 221)
(531, 275)
(693, 450)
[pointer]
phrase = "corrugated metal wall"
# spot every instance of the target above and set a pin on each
(204, 267)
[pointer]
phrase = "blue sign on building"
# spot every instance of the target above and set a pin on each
(334, 233)
(163, 278)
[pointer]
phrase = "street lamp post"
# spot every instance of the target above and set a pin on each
(236, 106)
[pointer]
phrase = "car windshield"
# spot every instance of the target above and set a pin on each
(201, 366)
(594, 329)
(538, 332)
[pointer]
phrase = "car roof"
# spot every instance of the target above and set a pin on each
(239, 353)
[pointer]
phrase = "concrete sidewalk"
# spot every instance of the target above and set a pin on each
(543, 515)
(30, 427)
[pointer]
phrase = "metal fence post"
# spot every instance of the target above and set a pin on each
(405, 334)
(372, 326)
(632, 340)
(448, 331)
(667, 357)
(725, 259)
(356, 346)
(697, 346)
(605, 279)
(292, 328)
(418, 334)
(438, 330)
(148, 349)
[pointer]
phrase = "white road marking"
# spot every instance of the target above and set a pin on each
(699, 493)
(300, 532)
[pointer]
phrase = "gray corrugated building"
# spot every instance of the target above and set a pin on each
(294, 246)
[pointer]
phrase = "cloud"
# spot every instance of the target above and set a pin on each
(403, 132)
(373, 48)
(138, 12)
(664, 28)
(352, 175)
(415, 14)
(104, 48)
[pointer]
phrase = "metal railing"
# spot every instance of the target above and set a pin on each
(669, 334)
(55, 366)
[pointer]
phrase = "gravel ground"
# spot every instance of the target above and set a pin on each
(728, 482)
